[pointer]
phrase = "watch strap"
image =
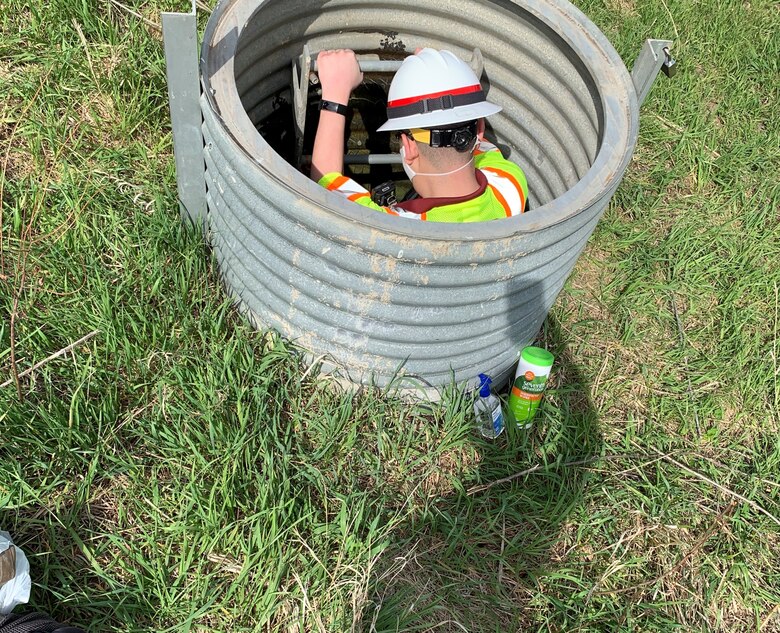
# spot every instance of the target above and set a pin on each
(332, 106)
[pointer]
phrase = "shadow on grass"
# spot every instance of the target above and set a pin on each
(474, 560)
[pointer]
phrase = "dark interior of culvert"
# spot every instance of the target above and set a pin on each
(367, 113)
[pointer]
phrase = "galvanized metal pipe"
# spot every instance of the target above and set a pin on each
(373, 65)
(366, 159)
(394, 301)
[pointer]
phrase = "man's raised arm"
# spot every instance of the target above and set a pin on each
(339, 75)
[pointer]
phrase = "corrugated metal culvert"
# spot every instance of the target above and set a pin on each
(382, 298)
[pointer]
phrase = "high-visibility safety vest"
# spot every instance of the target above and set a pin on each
(502, 193)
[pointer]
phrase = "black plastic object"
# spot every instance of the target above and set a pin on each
(34, 623)
(384, 194)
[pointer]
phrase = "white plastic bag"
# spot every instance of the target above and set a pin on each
(15, 580)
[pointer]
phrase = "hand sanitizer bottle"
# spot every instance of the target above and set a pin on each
(487, 409)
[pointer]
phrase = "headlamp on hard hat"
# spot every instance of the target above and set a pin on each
(461, 138)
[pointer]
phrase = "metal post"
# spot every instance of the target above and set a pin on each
(180, 35)
(647, 65)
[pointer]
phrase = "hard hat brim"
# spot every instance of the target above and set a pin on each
(459, 114)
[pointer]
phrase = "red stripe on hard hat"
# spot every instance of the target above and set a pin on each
(457, 91)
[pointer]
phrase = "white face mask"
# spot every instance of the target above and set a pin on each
(410, 173)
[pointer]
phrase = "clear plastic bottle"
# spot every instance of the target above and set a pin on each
(487, 409)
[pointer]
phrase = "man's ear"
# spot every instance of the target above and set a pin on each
(480, 129)
(410, 148)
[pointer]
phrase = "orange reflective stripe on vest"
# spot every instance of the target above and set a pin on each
(505, 174)
(502, 201)
(338, 183)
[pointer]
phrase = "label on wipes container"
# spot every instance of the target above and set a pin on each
(526, 396)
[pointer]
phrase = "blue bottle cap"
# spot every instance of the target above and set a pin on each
(484, 386)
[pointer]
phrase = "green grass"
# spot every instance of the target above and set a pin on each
(179, 471)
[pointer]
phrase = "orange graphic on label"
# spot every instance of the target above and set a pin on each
(529, 375)
(525, 395)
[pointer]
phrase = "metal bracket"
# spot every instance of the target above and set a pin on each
(368, 64)
(300, 82)
(647, 66)
(477, 63)
(180, 36)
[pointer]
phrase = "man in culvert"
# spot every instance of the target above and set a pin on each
(437, 104)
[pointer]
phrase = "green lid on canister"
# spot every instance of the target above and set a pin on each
(537, 356)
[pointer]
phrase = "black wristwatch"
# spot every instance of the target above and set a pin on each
(332, 106)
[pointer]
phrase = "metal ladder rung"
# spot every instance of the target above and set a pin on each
(369, 65)
(363, 159)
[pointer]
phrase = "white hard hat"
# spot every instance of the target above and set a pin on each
(433, 89)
